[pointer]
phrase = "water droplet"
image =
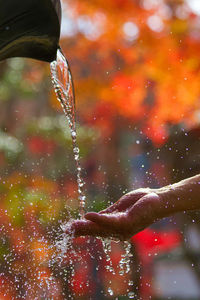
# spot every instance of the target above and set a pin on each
(73, 134)
(130, 282)
(76, 150)
(82, 198)
(131, 295)
(110, 291)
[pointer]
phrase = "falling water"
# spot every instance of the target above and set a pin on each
(63, 84)
(64, 88)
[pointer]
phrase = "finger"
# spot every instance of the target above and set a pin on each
(85, 227)
(115, 225)
(117, 206)
(109, 209)
(124, 202)
(110, 221)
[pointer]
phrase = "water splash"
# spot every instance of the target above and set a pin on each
(63, 84)
(124, 263)
(106, 243)
(64, 88)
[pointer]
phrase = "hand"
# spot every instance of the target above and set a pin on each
(130, 214)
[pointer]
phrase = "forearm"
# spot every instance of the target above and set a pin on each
(181, 196)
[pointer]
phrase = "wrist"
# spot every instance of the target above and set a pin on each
(181, 196)
(169, 201)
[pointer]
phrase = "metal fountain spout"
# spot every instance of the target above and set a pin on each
(30, 28)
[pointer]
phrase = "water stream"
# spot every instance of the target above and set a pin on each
(64, 88)
(63, 85)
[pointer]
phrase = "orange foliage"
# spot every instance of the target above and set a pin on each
(112, 64)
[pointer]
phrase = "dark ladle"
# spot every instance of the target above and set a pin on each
(30, 28)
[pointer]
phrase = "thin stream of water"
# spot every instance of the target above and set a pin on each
(63, 85)
(64, 88)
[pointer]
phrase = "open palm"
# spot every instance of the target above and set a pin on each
(130, 214)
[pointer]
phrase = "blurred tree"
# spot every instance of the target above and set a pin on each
(135, 64)
(136, 69)
(138, 58)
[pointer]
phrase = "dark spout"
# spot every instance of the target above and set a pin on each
(30, 28)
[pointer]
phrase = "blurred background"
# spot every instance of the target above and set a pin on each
(136, 69)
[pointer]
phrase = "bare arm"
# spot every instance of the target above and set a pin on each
(139, 209)
(181, 196)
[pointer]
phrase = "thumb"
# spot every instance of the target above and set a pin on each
(104, 219)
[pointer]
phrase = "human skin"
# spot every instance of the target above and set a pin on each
(138, 209)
